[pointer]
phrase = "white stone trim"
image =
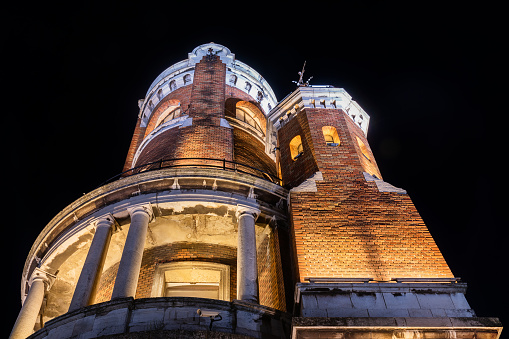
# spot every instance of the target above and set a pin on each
(382, 185)
(181, 121)
(177, 72)
(325, 97)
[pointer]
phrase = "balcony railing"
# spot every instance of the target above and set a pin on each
(223, 164)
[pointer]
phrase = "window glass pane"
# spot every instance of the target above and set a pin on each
(250, 120)
(193, 291)
(240, 114)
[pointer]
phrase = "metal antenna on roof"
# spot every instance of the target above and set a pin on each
(301, 82)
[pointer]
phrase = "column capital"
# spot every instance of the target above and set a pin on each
(247, 210)
(107, 220)
(145, 208)
(47, 278)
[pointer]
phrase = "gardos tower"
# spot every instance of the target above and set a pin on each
(240, 216)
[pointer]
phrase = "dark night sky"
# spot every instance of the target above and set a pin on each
(428, 75)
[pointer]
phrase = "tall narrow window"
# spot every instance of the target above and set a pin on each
(296, 148)
(330, 134)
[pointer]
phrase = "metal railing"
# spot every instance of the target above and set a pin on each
(223, 164)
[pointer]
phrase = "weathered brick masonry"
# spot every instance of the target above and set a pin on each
(269, 267)
(348, 228)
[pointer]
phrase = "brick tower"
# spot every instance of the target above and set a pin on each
(239, 216)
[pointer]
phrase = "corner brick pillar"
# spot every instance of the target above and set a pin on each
(130, 263)
(40, 283)
(209, 136)
(84, 293)
(247, 268)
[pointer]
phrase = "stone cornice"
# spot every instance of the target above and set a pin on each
(324, 97)
(156, 187)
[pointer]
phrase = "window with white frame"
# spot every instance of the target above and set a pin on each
(194, 279)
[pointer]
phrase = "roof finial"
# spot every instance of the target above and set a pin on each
(301, 82)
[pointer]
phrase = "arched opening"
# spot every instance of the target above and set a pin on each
(170, 113)
(247, 117)
(296, 148)
(330, 134)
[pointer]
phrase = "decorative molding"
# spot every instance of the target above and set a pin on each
(47, 278)
(247, 210)
(143, 208)
(324, 97)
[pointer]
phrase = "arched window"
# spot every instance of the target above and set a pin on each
(160, 94)
(296, 148)
(187, 79)
(244, 114)
(170, 113)
(173, 85)
(330, 134)
(364, 149)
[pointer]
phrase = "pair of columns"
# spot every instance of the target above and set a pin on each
(130, 263)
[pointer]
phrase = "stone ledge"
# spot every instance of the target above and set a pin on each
(120, 317)
(387, 327)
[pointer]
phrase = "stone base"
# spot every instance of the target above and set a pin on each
(168, 318)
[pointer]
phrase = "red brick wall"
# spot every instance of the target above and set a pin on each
(270, 273)
(237, 95)
(348, 228)
(294, 172)
(270, 279)
(180, 251)
(138, 134)
(204, 101)
(205, 138)
(248, 150)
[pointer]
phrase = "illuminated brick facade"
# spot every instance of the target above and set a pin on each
(348, 228)
(238, 216)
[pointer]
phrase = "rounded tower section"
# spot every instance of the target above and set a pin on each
(208, 109)
(192, 227)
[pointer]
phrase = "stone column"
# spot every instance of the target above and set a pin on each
(84, 293)
(40, 283)
(247, 268)
(130, 263)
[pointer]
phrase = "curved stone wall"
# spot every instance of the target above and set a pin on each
(140, 318)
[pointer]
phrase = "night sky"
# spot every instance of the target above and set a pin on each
(428, 75)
